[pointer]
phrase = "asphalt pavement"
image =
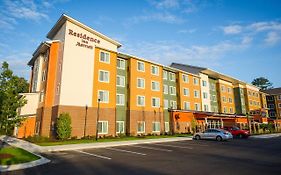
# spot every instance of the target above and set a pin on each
(237, 157)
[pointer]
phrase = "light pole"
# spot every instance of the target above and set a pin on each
(85, 124)
(98, 115)
(249, 123)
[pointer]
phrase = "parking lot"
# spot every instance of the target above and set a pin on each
(238, 156)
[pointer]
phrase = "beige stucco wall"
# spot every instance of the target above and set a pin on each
(32, 103)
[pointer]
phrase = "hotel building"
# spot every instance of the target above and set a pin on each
(80, 71)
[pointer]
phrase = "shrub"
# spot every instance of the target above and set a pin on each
(64, 126)
(37, 139)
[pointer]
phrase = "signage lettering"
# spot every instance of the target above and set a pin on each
(85, 39)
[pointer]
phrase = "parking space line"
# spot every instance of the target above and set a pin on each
(95, 155)
(152, 148)
(184, 147)
(127, 151)
(192, 144)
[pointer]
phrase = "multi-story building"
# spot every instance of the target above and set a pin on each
(80, 71)
(274, 102)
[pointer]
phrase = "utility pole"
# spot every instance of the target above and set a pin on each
(98, 115)
(249, 123)
(85, 123)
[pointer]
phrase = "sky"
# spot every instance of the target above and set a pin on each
(240, 38)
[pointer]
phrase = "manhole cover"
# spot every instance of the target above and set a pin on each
(5, 156)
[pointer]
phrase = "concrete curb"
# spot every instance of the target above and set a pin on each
(109, 144)
(263, 136)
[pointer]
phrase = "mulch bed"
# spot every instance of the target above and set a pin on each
(5, 156)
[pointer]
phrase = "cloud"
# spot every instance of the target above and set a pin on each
(232, 29)
(247, 40)
(272, 38)
(165, 4)
(185, 31)
(263, 26)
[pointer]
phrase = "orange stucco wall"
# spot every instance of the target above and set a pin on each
(227, 95)
(27, 128)
(252, 98)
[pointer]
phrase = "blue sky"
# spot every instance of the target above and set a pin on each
(241, 38)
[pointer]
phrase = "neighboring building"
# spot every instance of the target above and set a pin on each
(274, 102)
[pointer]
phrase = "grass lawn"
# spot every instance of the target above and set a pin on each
(79, 141)
(11, 155)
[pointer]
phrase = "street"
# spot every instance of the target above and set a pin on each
(238, 156)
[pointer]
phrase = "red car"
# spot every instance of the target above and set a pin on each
(237, 132)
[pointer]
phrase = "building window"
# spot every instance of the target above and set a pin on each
(172, 90)
(166, 89)
(224, 99)
(166, 104)
(213, 98)
(222, 88)
(186, 105)
(103, 76)
(214, 109)
(140, 100)
(230, 110)
(103, 127)
(230, 100)
(206, 108)
(270, 98)
(165, 75)
(185, 91)
(141, 127)
(120, 81)
(58, 89)
(279, 105)
(197, 107)
(196, 94)
(204, 83)
(279, 97)
(167, 127)
(155, 86)
(229, 90)
(173, 104)
(42, 95)
(140, 83)
(119, 126)
(155, 126)
(205, 95)
(195, 81)
(103, 96)
(185, 78)
(172, 76)
(120, 64)
(104, 57)
(154, 70)
(213, 87)
(251, 102)
(120, 99)
(224, 110)
(44, 75)
(155, 102)
(140, 66)
(272, 114)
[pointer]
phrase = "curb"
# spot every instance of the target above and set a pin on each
(108, 144)
(264, 136)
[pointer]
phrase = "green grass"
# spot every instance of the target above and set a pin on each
(124, 138)
(19, 156)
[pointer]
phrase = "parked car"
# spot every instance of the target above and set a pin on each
(214, 134)
(237, 132)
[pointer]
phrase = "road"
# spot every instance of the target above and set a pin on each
(237, 157)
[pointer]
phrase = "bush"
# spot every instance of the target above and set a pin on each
(64, 126)
(37, 139)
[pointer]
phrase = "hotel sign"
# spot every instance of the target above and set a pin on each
(86, 40)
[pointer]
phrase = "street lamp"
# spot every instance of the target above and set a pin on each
(98, 115)
(85, 123)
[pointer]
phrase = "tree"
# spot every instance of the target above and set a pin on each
(64, 126)
(10, 99)
(262, 82)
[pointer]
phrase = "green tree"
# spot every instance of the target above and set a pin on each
(10, 99)
(262, 82)
(64, 126)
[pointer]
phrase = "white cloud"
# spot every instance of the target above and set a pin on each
(232, 29)
(167, 4)
(185, 31)
(247, 40)
(263, 26)
(272, 38)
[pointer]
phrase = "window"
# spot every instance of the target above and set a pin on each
(206, 108)
(120, 99)
(119, 126)
(172, 76)
(173, 104)
(230, 110)
(229, 90)
(46, 56)
(102, 127)
(166, 104)
(224, 109)
(104, 57)
(103, 96)
(196, 94)
(166, 89)
(140, 100)
(197, 107)
(165, 75)
(44, 75)
(272, 114)
(155, 126)
(204, 83)
(279, 105)
(120, 81)
(141, 127)
(140, 66)
(140, 83)
(279, 97)
(270, 98)
(230, 100)
(172, 90)
(214, 98)
(154, 70)
(222, 88)
(186, 105)
(120, 64)
(213, 87)
(167, 127)
(251, 102)
(223, 99)
(205, 95)
(185, 78)
(155, 86)
(195, 81)
(214, 108)
(58, 89)
(42, 95)
(185, 91)
(103, 76)
(155, 102)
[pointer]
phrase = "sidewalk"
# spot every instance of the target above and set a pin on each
(265, 136)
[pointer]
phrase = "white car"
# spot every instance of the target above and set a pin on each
(214, 134)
